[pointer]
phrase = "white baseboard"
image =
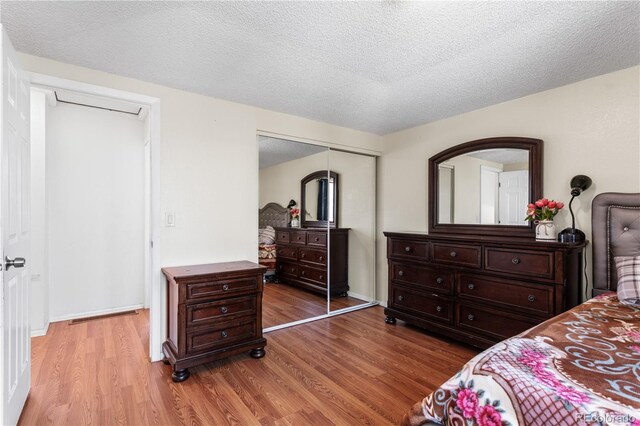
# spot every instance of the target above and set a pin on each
(96, 313)
(40, 332)
(360, 296)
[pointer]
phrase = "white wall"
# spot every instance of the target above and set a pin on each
(591, 127)
(208, 164)
(95, 187)
(39, 292)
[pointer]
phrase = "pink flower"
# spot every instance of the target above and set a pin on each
(488, 416)
(636, 422)
(571, 395)
(552, 204)
(635, 335)
(468, 402)
(544, 201)
(547, 378)
(636, 348)
(539, 203)
(531, 206)
(559, 205)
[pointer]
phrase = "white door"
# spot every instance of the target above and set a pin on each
(489, 189)
(514, 194)
(15, 235)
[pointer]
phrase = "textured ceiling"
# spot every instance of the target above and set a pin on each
(274, 151)
(502, 156)
(374, 66)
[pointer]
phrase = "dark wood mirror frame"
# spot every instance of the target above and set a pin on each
(303, 196)
(534, 146)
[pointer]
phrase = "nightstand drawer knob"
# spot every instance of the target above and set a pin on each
(400, 298)
(471, 286)
(303, 272)
(225, 287)
(470, 317)
(316, 239)
(401, 273)
(407, 249)
(515, 260)
(439, 280)
(321, 276)
(303, 255)
(321, 258)
(439, 308)
(224, 334)
(531, 298)
(224, 309)
(453, 254)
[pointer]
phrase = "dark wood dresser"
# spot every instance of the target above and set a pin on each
(480, 290)
(302, 258)
(214, 311)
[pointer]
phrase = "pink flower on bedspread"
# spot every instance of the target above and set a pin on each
(571, 395)
(487, 415)
(546, 377)
(637, 349)
(467, 402)
(635, 422)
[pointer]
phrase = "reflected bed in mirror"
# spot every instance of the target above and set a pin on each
(484, 186)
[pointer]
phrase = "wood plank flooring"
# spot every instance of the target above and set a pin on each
(345, 370)
(283, 303)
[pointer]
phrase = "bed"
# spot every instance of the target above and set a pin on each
(581, 367)
(271, 216)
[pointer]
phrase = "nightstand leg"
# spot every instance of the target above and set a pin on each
(180, 375)
(258, 353)
(390, 320)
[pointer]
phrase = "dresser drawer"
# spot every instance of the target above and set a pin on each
(285, 252)
(407, 249)
(201, 314)
(520, 262)
(318, 276)
(282, 237)
(221, 334)
(535, 298)
(409, 300)
(220, 288)
(315, 256)
(491, 322)
(455, 254)
(317, 239)
(439, 280)
(298, 237)
(287, 269)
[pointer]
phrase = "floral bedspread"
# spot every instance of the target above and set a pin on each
(267, 256)
(579, 368)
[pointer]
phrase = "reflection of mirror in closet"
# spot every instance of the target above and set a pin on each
(296, 282)
(356, 207)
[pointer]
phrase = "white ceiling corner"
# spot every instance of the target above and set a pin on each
(373, 66)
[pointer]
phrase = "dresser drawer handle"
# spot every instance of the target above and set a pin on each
(453, 254)
(293, 269)
(531, 298)
(280, 251)
(400, 298)
(471, 286)
(225, 287)
(321, 277)
(401, 273)
(302, 273)
(470, 317)
(407, 249)
(439, 280)
(439, 308)
(515, 260)
(224, 309)
(224, 334)
(303, 255)
(316, 239)
(320, 258)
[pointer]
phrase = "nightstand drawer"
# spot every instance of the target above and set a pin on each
(287, 252)
(221, 334)
(201, 314)
(409, 300)
(520, 262)
(455, 254)
(317, 239)
(491, 322)
(439, 280)
(220, 288)
(315, 256)
(407, 249)
(536, 298)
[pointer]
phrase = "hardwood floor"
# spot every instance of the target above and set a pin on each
(348, 369)
(283, 303)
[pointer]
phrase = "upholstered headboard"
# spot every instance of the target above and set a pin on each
(615, 224)
(273, 214)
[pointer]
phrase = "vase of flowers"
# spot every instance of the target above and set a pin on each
(542, 213)
(295, 217)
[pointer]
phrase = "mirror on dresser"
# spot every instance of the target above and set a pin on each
(484, 186)
(282, 165)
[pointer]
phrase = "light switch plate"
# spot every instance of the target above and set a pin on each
(170, 219)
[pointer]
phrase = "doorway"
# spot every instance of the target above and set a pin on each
(146, 110)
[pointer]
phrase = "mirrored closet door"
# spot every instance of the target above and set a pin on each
(292, 240)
